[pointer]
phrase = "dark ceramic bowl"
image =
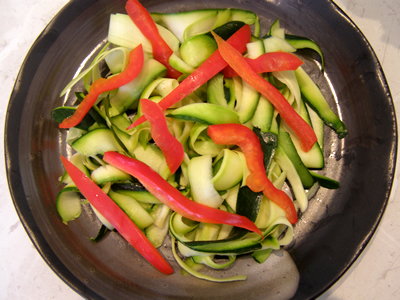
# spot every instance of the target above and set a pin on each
(329, 236)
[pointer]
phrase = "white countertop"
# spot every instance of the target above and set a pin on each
(24, 274)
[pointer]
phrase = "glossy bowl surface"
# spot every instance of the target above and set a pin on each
(330, 234)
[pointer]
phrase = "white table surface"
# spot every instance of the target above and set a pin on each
(24, 274)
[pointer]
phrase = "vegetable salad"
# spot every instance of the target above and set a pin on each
(190, 125)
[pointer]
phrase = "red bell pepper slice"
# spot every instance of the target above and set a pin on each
(169, 145)
(143, 20)
(257, 180)
(269, 62)
(300, 127)
(172, 197)
(214, 64)
(102, 85)
(115, 215)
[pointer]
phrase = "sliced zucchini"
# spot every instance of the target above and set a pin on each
(263, 115)
(201, 143)
(178, 64)
(125, 141)
(288, 78)
(182, 225)
(140, 195)
(246, 244)
(108, 173)
(249, 203)
(274, 44)
(301, 42)
(216, 91)
(269, 244)
(123, 32)
(128, 94)
(201, 181)
(326, 182)
(205, 113)
(96, 142)
(314, 158)
(314, 98)
(276, 30)
(77, 161)
(250, 96)
(263, 213)
(122, 122)
(190, 53)
(269, 142)
(193, 269)
(201, 26)
(133, 209)
(294, 179)
(178, 23)
(117, 59)
(229, 170)
(318, 126)
(102, 232)
(261, 255)
(156, 235)
(287, 145)
(68, 204)
(102, 220)
(152, 156)
(207, 232)
(226, 30)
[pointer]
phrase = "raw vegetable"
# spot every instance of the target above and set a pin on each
(142, 18)
(227, 130)
(214, 64)
(105, 85)
(171, 197)
(268, 62)
(69, 204)
(169, 145)
(110, 210)
(257, 180)
(296, 123)
(316, 100)
(301, 42)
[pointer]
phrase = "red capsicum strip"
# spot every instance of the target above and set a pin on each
(114, 214)
(300, 127)
(214, 64)
(102, 85)
(174, 199)
(269, 62)
(257, 180)
(143, 20)
(169, 145)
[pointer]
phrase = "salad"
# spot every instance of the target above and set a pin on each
(192, 124)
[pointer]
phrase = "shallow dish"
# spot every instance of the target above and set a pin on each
(329, 236)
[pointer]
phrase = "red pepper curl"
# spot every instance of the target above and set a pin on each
(102, 85)
(169, 145)
(269, 62)
(143, 20)
(117, 217)
(257, 180)
(172, 197)
(300, 127)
